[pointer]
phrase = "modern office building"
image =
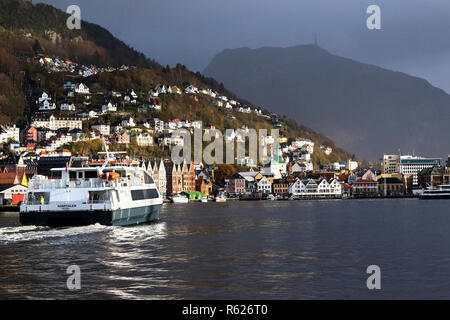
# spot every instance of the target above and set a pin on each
(390, 163)
(412, 165)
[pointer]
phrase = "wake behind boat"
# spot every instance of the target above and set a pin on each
(109, 192)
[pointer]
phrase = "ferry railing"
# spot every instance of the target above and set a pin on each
(38, 202)
(78, 183)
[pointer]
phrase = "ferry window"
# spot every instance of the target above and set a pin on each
(144, 194)
(90, 174)
(72, 174)
(35, 198)
(99, 196)
(147, 178)
(55, 175)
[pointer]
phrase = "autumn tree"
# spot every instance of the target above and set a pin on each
(224, 171)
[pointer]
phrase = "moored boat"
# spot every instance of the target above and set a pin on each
(179, 198)
(221, 198)
(441, 192)
(417, 192)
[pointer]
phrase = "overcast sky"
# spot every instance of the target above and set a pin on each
(415, 34)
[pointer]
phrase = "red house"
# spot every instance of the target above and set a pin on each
(31, 134)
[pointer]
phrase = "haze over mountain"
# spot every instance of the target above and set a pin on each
(364, 108)
(413, 36)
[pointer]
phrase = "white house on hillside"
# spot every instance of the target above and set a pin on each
(44, 97)
(81, 88)
(133, 94)
(102, 128)
(67, 107)
(9, 132)
(191, 89)
(144, 139)
(128, 123)
(109, 108)
(46, 105)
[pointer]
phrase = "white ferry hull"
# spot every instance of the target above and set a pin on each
(434, 196)
(119, 217)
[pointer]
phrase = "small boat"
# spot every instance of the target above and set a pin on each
(204, 199)
(271, 197)
(180, 199)
(441, 192)
(221, 198)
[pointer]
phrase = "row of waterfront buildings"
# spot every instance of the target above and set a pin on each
(171, 179)
(424, 172)
(409, 174)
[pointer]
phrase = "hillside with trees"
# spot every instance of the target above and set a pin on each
(29, 31)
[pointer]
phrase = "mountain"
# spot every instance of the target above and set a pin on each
(365, 109)
(90, 44)
(29, 31)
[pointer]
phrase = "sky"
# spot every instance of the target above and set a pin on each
(414, 36)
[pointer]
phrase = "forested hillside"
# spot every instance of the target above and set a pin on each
(29, 31)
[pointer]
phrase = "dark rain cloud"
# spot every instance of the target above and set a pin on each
(414, 36)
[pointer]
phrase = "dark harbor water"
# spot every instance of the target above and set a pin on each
(239, 250)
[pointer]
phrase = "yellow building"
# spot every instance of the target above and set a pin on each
(394, 184)
(176, 90)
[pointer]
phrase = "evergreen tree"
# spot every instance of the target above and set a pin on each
(37, 47)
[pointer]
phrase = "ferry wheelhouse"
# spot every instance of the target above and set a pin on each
(109, 192)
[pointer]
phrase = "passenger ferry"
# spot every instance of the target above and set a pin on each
(441, 192)
(110, 192)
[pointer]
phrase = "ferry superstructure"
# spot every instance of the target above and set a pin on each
(109, 192)
(441, 192)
